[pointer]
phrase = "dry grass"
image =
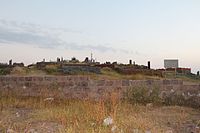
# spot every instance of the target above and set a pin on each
(24, 71)
(108, 73)
(76, 116)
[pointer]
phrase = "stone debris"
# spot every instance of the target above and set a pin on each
(172, 91)
(108, 121)
(93, 124)
(17, 114)
(49, 99)
(149, 105)
(24, 87)
(114, 128)
(190, 95)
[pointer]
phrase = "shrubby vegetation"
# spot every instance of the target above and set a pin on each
(51, 69)
(4, 71)
(143, 95)
(182, 101)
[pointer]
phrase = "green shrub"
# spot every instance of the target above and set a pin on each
(4, 71)
(143, 95)
(180, 100)
(51, 69)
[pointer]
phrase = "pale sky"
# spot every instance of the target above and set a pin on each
(113, 30)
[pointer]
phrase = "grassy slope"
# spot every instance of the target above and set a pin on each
(107, 73)
(111, 74)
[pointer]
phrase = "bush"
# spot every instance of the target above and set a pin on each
(51, 69)
(143, 95)
(180, 100)
(4, 71)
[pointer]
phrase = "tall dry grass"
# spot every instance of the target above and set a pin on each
(87, 116)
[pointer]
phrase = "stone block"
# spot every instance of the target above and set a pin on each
(21, 79)
(68, 83)
(149, 82)
(40, 79)
(166, 82)
(117, 83)
(68, 78)
(8, 79)
(180, 82)
(84, 83)
(174, 82)
(83, 78)
(169, 87)
(34, 79)
(13, 79)
(86, 89)
(81, 83)
(125, 83)
(28, 78)
(1, 79)
(109, 83)
(48, 78)
(60, 79)
(100, 82)
(134, 83)
(27, 84)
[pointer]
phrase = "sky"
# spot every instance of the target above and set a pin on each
(113, 30)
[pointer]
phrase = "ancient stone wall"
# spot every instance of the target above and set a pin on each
(84, 87)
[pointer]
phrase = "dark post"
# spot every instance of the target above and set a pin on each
(198, 73)
(58, 59)
(86, 60)
(149, 65)
(10, 62)
(130, 62)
